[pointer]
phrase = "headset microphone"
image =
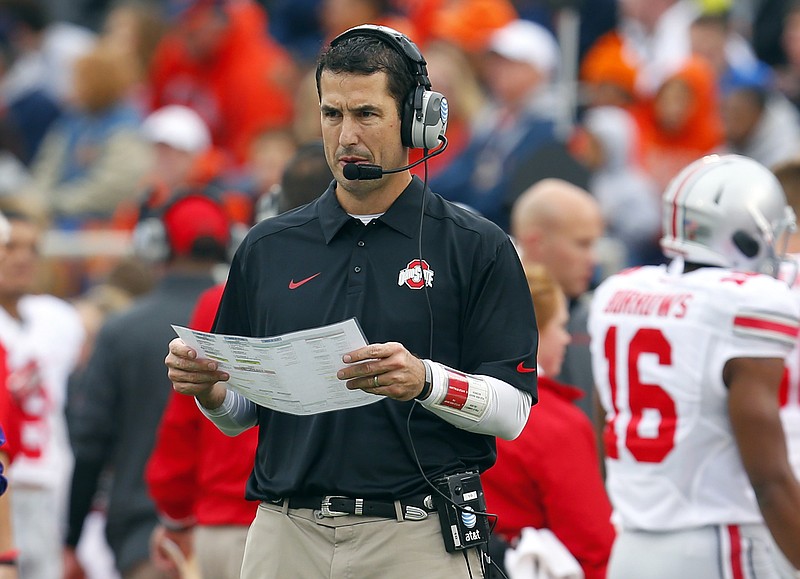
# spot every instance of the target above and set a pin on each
(367, 171)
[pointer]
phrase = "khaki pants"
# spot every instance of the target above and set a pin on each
(285, 543)
(219, 550)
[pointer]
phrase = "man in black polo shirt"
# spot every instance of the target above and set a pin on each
(443, 302)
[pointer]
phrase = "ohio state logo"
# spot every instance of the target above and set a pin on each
(416, 275)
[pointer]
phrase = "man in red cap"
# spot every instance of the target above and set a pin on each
(218, 60)
(118, 401)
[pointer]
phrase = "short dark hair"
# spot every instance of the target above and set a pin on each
(367, 55)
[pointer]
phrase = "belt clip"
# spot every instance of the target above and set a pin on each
(325, 507)
(413, 513)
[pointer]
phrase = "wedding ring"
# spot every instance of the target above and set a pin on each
(375, 382)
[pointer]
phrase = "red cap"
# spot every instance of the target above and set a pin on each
(194, 217)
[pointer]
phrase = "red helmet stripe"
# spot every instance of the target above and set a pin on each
(679, 190)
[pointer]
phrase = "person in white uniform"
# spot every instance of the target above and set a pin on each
(688, 360)
(42, 335)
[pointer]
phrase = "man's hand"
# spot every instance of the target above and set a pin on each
(384, 369)
(195, 376)
(72, 566)
(163, 545)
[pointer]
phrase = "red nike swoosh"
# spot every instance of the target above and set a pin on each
(523, 370)
(296, 284)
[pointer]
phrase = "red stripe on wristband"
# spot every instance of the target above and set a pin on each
(457, 390)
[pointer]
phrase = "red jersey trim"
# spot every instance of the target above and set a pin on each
(766, 327)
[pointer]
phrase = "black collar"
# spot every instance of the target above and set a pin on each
(402, 216)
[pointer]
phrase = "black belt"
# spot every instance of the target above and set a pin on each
(412, 508)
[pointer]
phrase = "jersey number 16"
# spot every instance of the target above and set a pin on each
(641, 396)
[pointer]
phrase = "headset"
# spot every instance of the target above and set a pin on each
(151, 238)
(424, 116)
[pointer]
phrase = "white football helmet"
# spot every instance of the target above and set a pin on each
(728, 211)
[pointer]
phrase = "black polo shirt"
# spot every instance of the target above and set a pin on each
(316, 266)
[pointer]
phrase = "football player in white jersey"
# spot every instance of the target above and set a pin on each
(688, 359)
(788, 174)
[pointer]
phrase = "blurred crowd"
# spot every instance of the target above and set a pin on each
(114, 110)
(111, 107)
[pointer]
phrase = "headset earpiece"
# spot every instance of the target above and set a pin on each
(430, 121)
(424, 117)
(150, 241)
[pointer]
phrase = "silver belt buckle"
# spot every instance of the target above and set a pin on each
(325, 507)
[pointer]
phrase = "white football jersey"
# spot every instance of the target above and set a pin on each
(42, 350)
(659, 341)
(790, 389)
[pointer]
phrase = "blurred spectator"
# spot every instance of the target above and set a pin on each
(207, 60)
(608, 78)
(759, 122)
(530, 485)
(655, 37)
(269, 154)
(306, 176)
(789, 72)
(9, 446)
(306, 123)
(44, 50)
(468, 24)
(185, 161)
(558, 225)
(93, 158)
(520, 64)
(127, 280)
(181, 139)
(453, 74)
(37, 76)
(134, 28)
(42, 336)
(650, 40)
(338, 15)
(713, 37)
(120, 396)
(682, 122)
(628, 197)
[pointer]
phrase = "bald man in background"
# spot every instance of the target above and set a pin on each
(558, 224)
